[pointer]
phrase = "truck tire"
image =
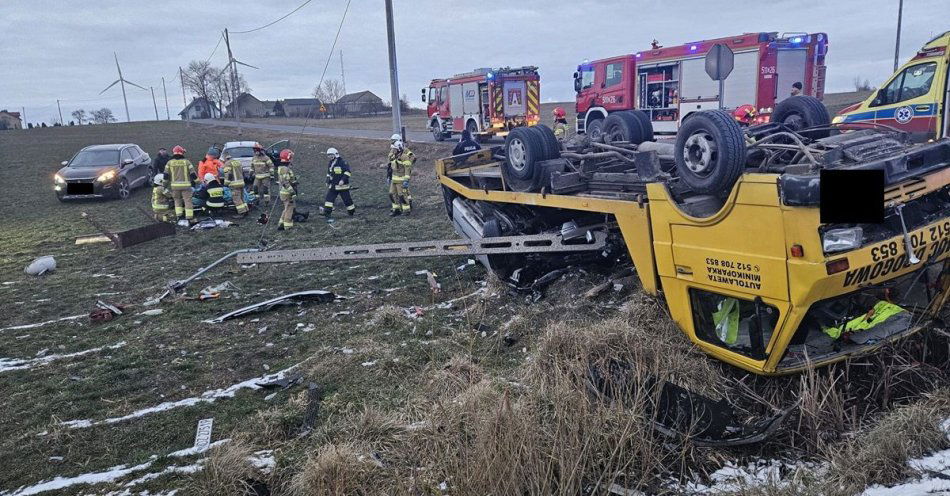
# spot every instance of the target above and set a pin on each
(802, 112)
(437, 133)
(645, 124)
(523, 150)
(623, 126)
(595, 130)
(710, 152)
(448, 196)
(552, 147)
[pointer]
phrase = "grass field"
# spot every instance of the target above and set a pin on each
(480, 394)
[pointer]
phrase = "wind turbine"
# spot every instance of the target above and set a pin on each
(121, 81)
(232, 65)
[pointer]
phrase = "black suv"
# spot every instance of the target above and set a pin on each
(100, 171)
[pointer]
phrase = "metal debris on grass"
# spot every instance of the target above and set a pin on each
(289, 299)
(104, 312)
(41, 266)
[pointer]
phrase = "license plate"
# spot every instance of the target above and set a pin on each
(79, 189)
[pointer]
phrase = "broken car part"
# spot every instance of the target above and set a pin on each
(174, 286)
(290, 299)
(41, 266)
(130, 237)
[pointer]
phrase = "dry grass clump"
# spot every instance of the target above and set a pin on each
(879, 455)
(336, 469)
(227, 470)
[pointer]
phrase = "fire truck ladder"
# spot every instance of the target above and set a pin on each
(504, 245)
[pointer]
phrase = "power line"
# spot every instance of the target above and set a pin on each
(274, 22)
(329, 58)
(220, 39)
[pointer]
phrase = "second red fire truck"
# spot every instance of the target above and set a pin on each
(487, 102)
(670, 83)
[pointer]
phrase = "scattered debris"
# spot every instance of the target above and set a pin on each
(203, 435)
(289, 299)
(339, 314)
(283, 382)
(41, 266)
(510, 338)
(430, 277)
(413, 312)
(598, 289)
(469, 263)
(152, 312)
(131, 237)
(174, 286)
(263, 460)
(92, 239)
(369, 364)
(206, 224)
(104, 312)
(205, 397)
(314, 397)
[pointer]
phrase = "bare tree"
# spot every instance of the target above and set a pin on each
(860, 85)
(103, 116)
(221, 88)
(329, 93)
(79, 115)
(201, 79)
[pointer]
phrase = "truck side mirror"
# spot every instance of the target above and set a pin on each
(577, 83)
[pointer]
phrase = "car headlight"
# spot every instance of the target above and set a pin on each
(838, 119)
(106, 176)
(59, 179)
(836, 240)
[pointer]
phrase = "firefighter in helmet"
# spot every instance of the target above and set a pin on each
(338, 184)
(560, 124)
(262, 167)
(744, 114)
(234, 179)
(181, 177)
(212, 193)
(400, 170)
(288, 189)
(161, 199)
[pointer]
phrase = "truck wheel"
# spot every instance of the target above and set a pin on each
(472, 128)
(595, 130)
(437, 132)
(551, 146)
(802, 112)
(623, 126)
(645, 124)
(523, 149)
(710, 152)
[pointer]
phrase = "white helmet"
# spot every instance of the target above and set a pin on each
(333, 152)
(395, 137)
(159, 179)
(397, 145)
(209, 177)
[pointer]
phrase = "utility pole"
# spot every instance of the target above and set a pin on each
(342, 72)
(897, 44)
(181, 77)
(168, 116)
(232, 64)
(23, 114)
(60, 112)
(393, 73)
(153, 101)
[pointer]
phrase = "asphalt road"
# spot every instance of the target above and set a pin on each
(414, 136)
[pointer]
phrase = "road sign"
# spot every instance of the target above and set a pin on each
(719, 62)
(323, 108)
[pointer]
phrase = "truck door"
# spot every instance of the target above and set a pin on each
(908, 101)
(615, 92)
(789, 69)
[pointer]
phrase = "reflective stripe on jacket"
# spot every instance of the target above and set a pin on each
(338, 171)
(160, 198)
(215, 195)
(401, 165)
(179, 172)
(287, 179)
(233, 174)
(726, 320)
(262, 166)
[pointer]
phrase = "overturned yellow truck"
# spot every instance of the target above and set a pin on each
(724, 224)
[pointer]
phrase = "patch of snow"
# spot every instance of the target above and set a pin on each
(173, 469)
(206, 397)
(263, 460)
(7, 364)
(368, 364)
(915, 488)
(732, 478)
(56, 483)
(194, 450)
(41, 324)
(154, 311)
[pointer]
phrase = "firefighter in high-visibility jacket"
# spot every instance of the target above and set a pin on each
(234, 178)
(400, 170)
(288, 189)
(161, 199)
(210, 163)
(338, 184)
(180, 174)
(213, 193)
(263, 169)
(560, 124)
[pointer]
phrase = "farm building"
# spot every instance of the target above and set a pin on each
(362, 103)
(199, 108)
(301, 107)
(247, 106)
(10, 120)
(273, 108)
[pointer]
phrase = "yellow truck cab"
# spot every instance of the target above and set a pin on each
(724, 225)
(914, 99)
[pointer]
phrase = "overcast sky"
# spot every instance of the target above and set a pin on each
(63, 49)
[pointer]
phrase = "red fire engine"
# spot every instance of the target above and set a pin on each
(670, 83)
(487, 102)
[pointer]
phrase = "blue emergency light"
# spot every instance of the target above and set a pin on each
(693, 48)
(796, 39)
